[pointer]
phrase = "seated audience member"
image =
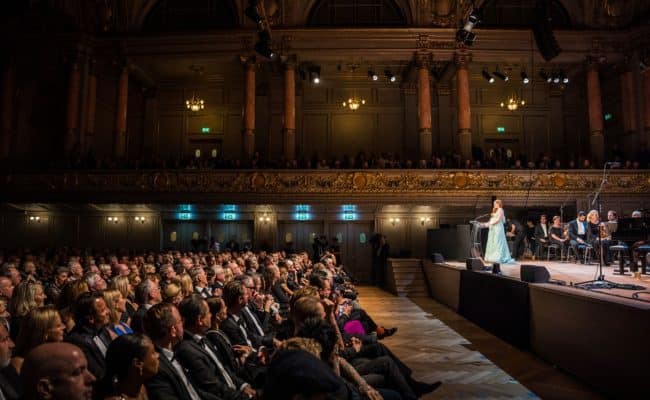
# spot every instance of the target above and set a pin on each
(69, 295)
(28, 295)
(207, 368)
(91, 330)
(122, 284)
(54, 289)
(355, 385)
(578, 234)
(57, 371)
(200, 282)
(296, 374)
(10, 387)
(163, 324)
(40, 326)
(131, 360)
(147, 294)
(172, 294)
(557, 233)
(116, 304)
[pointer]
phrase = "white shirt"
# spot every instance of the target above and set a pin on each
(581, 227)
(181, 374)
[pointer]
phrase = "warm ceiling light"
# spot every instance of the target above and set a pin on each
(487, 76)
(139, 219)
(513, 103)
(195, 103)
(353, 103)
(114, 220)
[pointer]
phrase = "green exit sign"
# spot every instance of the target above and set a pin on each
(205, 129)
(608, 116)
(501, 129)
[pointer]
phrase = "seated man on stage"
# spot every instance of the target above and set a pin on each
(542, 233)
(578, 234)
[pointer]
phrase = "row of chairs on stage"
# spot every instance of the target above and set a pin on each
(586, 253)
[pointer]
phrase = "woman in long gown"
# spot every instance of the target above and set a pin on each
(496, 250)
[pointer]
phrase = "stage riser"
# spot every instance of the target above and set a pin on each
(404, 277)
(600, 339)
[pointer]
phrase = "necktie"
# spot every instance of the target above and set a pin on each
(259, 329)
(242, 328)
(224, 373)
(181, 374)
(100, 344)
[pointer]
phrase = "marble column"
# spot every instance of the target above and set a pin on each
(91, 107)
(646, 107)
(72, 111)
(463, 142)
(248, 132)
(289, 128)
(8, 88)
(424, 106)
(121, 113)
(594, 103)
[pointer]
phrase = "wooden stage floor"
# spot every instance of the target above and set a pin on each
(572, 273)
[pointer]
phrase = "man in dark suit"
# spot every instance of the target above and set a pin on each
(236, 297)
(147, 294)
(90, 333)
(542, 232)
(516, 232)
(9, 384)
(202, 359)
(578, 234)
(163, 324)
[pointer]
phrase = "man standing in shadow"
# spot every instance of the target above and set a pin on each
(380, 252)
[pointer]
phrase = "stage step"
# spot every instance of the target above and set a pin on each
(404, 277)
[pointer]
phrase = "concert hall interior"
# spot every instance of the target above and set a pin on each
(360, 142)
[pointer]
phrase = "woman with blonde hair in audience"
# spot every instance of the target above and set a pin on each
(123, 285)
(40, 325)
(135, 279)
(228, 275)
(172, 294)
(116, 304)
(27, 296)
(187, 287)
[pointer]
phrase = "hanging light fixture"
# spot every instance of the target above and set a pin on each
(513, 103)
(195, 103)
(353, 103)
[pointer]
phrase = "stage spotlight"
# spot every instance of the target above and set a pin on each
(465, 35)
(545, 76)
(263, 46)
(252, 13)
(314, 74)
(501, 76)
(524, 78)
(389, 75)
(487, 76)
(556, 78)
(372, 75)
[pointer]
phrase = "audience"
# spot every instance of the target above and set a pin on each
(226, 324)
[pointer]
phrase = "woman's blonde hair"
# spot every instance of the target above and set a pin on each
(24, 299)
(500, 203)
(34, 329)
(170, 292)
(187, 287)
(110, 297)
(299, 343)
(121, 283)
(591, 215)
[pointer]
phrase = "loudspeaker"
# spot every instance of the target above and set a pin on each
(496, 268)
(534, 274)
(437, 258)
(544, 37)
(474, 264)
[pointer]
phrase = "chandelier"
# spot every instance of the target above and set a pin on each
(353, 103)
(513, 103)
(195, 103)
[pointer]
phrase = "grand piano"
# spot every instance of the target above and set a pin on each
(631, 231)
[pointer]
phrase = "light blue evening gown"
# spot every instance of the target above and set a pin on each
(496, 250)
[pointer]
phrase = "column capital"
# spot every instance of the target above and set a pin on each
(289, 61)
(592, 62)
(462, 58)
(424, 59)
(248, 62)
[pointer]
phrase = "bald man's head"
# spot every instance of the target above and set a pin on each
(57, 371)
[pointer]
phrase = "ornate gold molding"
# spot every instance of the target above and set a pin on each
(325, 183)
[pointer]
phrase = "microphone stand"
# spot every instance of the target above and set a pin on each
(600, 282)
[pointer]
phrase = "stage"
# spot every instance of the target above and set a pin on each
(560, 323)
(570, 273)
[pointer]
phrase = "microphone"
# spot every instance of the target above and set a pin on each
(613, 164)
